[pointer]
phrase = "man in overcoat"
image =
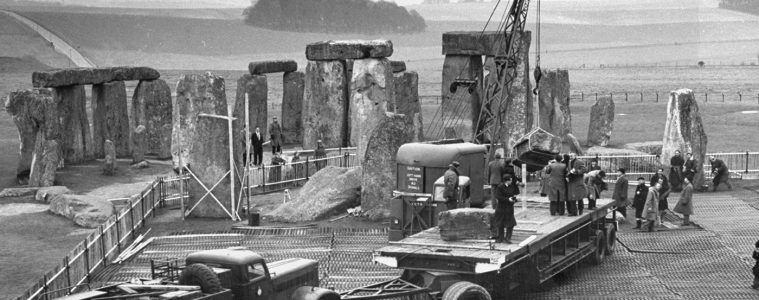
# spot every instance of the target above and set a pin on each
(451, 181)
(575, 187)
(505, 194)
(275, 130)
(557, 185)
(257, 143)
(691, 167)
(639, 201)
(684, 206)
(620, 192)
(651, 208)
(676, 171)
(496, 169)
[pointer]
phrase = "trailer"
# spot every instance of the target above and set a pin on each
(543, 246)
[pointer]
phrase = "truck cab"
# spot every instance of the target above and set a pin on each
(249, 277)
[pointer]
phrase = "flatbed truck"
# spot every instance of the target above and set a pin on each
(543, 246)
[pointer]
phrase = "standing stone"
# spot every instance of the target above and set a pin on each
(75, 141)
(574, 144)
(210, 162)
(519, 103)
(398, 66)
(151, 107)
(684, 130)
(109, 167)
(44, 163)
(553, 103)
(26, 109)
(371, 89)
(195, 94)
(138, 144)
(407, 100)
(110, 119)
(292, 107)
(257, 89)
(379, 177)
(460, 103)
(601, 122)
(325, 104)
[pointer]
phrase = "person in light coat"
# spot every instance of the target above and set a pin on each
(651, 208)
(684, 206)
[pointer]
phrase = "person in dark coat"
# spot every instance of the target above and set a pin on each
(691, 167)
(663, 191)
(320, 153)
(275, 173)
(756, 266)
(651, 206)
(684, 206)
(594, 165)
(275, 131)
(257, 145)
(620, 192)
(639, 201)
(496, 169)
(676, 171)
(504, 211)
(576, 190)
(557, 186)
(451, 181)
(720, 172)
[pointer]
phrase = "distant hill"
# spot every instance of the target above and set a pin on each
(334, 16)
(747, 6)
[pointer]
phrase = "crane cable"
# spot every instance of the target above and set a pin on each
(537, 73)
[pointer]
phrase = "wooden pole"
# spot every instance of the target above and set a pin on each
(181, 179)
(247, 152)
(524, 188)
(231, 164)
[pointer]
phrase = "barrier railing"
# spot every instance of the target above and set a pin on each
(103, 245)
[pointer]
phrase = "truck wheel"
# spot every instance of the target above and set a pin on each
(611, 240)
(597, 257)
(465, 290)
(203, 276)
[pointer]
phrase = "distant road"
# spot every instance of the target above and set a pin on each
(58, 43)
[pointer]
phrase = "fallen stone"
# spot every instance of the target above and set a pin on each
(82, 76)
(574, 144)
(196, 94)
(84, 211)
(553, 105)
(109, 166)
(45, 194)
(349, 49)
(371, 90)
(27, 111)
(519, 119)
(474, 43)
(292, 106)
(379, 214)
(328, 192)
(272, 66)
(75, 137)
(652, 147)
(110, 120)
(209, 161)
(601, 122)
(398, 66)
(257, 89)
(379, 176)
(18, 192)
(141, 165)
(598, 150)
(138, 144)
(45, 162)
(465, 224)
(152, 107)
(684, 131)
(325, 101)
(454, 102)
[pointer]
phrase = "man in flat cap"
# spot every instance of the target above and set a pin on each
(451, 181)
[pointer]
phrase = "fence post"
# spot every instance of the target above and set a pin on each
(723, 97)
(131, 216)
(746, 162)
(102, 245)
(582, 96)
(706, 97)
(44, 286)
(740, 97)
(87, 259)
(142, 207)
(68, 274)
(625, 96)
(611, 95)
(596, 96)
(641, 96)
(307, 168)
(118, 233)
(657, 96)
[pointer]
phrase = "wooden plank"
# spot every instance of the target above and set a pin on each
(83, 296)
(161, 287)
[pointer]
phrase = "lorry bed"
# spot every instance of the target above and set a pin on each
(535, 229)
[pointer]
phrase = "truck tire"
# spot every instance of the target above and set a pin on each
(611, 240)
(203, 276)
(598, 255)
(465, 290)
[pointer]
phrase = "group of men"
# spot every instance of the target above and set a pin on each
(257, 142)
(569, 182)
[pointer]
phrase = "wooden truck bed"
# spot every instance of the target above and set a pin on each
(535, 229)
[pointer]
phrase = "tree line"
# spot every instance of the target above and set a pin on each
(747, 6)
(334, 16)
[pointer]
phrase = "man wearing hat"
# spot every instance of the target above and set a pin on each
(505, 194)
(620, 192)
(451, 181)
(496, 169)
(557, 186)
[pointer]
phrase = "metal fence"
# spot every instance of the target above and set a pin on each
(96, 251)
(751, 97)
(646, 166)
